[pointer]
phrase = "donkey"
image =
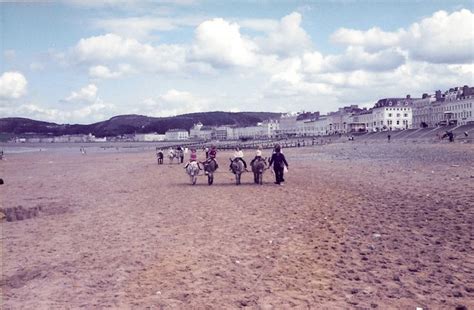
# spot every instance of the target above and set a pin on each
(159, 157)
(238, 168)
(210, 167)
(258, 167)
(172, 155)
(193, 170)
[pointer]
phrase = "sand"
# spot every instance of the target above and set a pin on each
(356, 225)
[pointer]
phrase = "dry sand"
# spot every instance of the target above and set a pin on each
(355, 226)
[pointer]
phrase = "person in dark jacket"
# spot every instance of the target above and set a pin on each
(279, 162)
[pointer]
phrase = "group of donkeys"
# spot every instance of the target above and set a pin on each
(210, 166)
(237, 166)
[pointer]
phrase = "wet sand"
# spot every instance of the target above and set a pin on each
(356, 225)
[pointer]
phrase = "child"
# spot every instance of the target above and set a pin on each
(213, 155)
(238, 154)
(258, 155)
(192, 157)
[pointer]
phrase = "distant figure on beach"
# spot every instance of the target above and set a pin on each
(83, 150)
(206, 150)
(180, 153)
(388, 137)
(238, 155)
(451, 136)
(448, 134)
(279, 163)
(159, 156)
(1, 181)
(465, 135)
(1, 155)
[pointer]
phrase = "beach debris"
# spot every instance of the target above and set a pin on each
(454, 165)
(158, 293)
(376, 235)
(419, 308)
(237, 262)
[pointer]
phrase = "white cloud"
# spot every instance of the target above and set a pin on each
(12, 85)
(96, 111)
(356, 58)
(145, 27)
(86, 94)
(112, 48)
(175, 102)
(373, 39)
(288, 38)
(265, 25)
(103, 72)
(220, 43)
(440, 38)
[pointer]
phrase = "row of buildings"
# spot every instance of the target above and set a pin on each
(453, 107)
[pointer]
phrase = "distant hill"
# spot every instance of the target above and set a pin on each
(127, 124)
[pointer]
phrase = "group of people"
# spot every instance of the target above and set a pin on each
(278, 160)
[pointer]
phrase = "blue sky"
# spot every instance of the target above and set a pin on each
(82, 61)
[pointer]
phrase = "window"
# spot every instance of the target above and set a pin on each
(398, 122)
(389, 114)
(406, 115)
(398, 114)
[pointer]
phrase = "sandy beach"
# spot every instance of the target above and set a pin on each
(355, 226)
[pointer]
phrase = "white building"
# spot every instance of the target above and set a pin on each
(201, 132)
(391, 114)
(149, 137)
(454, 107)
(176, 134)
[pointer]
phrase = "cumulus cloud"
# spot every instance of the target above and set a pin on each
(356, 58)
(373, 39)
(220, 42)
(440, 38)
(86, 94)
(103, 72)
(111, 47)
(287, 38)
(175, 102)
(12, 85)
(144, 27)
(96, 111)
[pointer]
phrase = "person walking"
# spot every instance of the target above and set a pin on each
(279, 163)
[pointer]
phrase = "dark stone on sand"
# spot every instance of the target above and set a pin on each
(457, 294)
(372, 305)
(354, 291)
(460, 307)
(413, 269)
(396, 278)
